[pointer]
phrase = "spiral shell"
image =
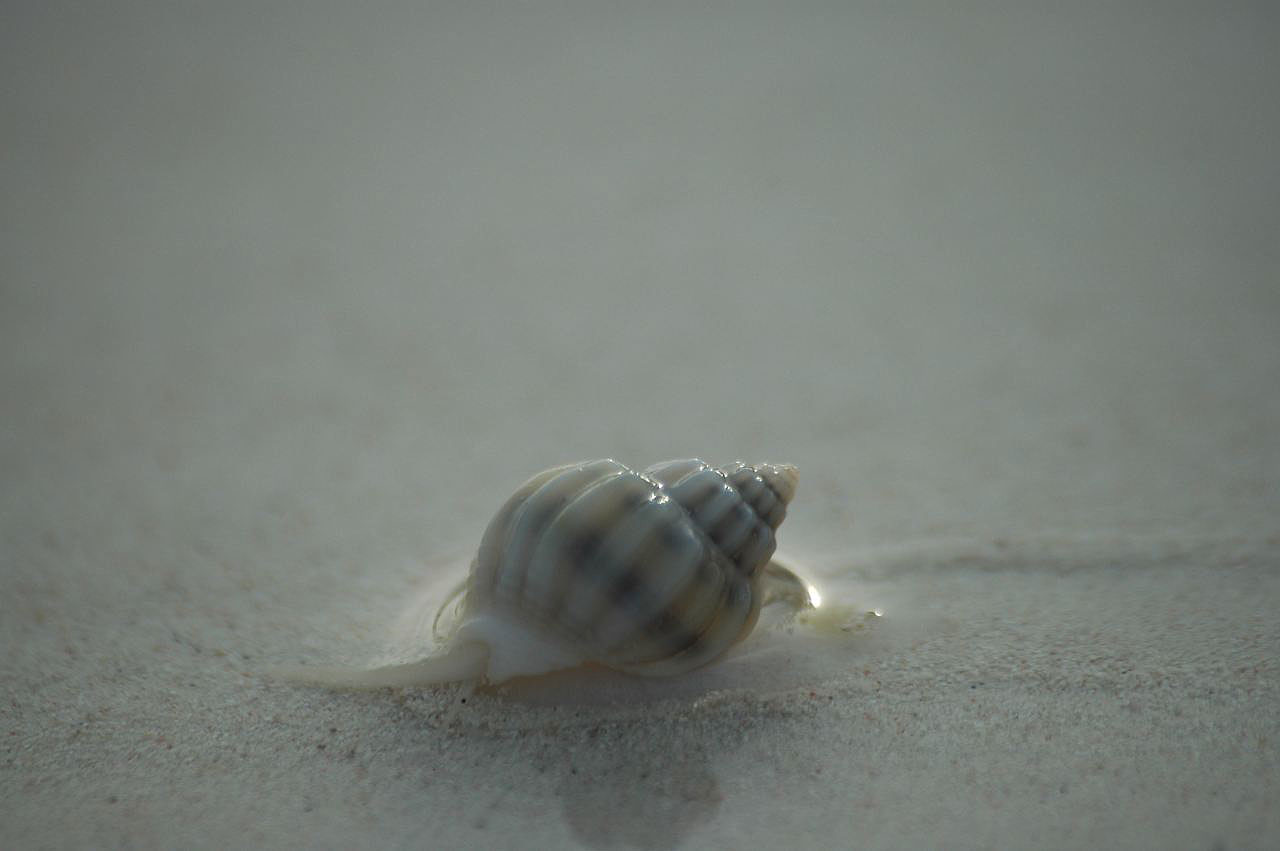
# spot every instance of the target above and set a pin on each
(651, 573)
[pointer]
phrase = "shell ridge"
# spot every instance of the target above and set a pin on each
(684, 623)
(637, 542)
(707, 645)
(686, 619)
(530, 520)
(569, 543)
(646, 602)
(633, 535)
(747, 539)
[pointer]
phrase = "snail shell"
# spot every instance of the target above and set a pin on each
(652, 573)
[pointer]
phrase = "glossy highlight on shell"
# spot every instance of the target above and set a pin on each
(654, 572)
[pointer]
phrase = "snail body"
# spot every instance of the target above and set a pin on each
(654, 573)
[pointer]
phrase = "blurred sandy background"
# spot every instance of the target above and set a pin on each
(293, 295)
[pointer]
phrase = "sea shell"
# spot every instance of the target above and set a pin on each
(651, 573)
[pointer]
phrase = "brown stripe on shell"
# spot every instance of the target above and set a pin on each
(631, 541)
(687, 647)
(567, 547)
(748, 542)
(671, 563)
(493, 544)
(534, 514)
(672, 621)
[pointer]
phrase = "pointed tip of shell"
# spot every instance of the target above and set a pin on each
(783, 478)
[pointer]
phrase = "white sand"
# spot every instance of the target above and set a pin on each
(291, 298)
